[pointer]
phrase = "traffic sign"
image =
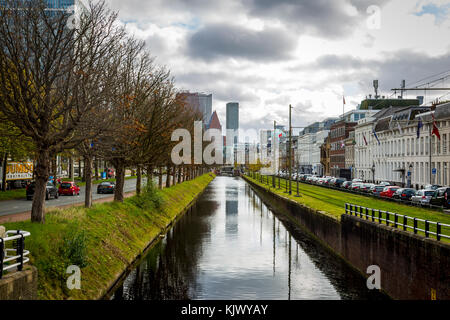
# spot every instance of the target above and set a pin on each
(434, 171)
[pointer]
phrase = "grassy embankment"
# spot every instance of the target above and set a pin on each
(332, 202)
(14, 194)
(102, 240)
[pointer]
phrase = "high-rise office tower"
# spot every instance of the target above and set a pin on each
(232, 136)
(199, 101)
(205, 102)
(233, 120)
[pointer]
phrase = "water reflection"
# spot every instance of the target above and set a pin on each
(256, 256)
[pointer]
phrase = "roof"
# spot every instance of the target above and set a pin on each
(214, 122)
(442, 111)
(379, 104)
(388, 118)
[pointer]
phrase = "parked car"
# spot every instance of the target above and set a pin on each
(357, 180)
(441, 197)
(106, 187)
(51, 191)
(338, 182)
(389, 191)
(432, 187)
(69, 188)
(385, 184)
(422, 197)
(110, 173)
(404, 194)
(346, 185)
(366, 187)
(356, 186)
(376, 190)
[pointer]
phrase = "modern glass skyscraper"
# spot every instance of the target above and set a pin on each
(60, 4)
(232, 121)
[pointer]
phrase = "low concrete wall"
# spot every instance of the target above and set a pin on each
(412, 267)
(19, 285)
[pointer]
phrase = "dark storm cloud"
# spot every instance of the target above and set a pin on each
(389, 68)
(223, 40)
(326, 18)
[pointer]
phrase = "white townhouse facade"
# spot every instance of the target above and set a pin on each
(401, 157)
(364, 161)
(307, 152)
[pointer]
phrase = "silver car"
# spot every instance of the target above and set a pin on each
(422, 197)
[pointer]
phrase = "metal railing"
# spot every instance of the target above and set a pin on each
(407, 223)
(15, 255)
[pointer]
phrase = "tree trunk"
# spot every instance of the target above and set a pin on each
(84, 172)
(179, 174)
(88, 174)
(38, 206)
(139, 179)
(4, 165)
(79, 168)
(167, 176)
(160, 178)
(174, 177)
(149, 174)
(97, 177)
(120, 180)
(71, 176)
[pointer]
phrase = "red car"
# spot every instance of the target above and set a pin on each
(388, 192)
(69, 188)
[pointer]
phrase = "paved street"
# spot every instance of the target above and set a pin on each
(23, 205)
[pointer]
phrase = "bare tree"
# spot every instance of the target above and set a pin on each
(43, 64)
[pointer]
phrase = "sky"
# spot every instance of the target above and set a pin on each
(267, 54)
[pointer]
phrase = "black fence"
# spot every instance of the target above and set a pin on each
(407, 223)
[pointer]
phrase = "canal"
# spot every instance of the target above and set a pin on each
(231, 246)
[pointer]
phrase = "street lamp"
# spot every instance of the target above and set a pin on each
(410, 175)
(373, 172)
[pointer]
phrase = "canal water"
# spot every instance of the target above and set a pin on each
(231, 246)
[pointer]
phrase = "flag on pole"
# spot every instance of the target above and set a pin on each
(343, 97)
(375, 134)
(419, 126)
(435, 129)
(365, 140)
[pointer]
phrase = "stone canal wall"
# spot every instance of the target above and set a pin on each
(412, 267)
(19, 285)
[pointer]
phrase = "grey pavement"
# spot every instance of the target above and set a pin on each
(24, 205)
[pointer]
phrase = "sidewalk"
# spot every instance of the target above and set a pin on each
(24, 216)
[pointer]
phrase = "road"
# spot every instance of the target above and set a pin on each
(23, 205)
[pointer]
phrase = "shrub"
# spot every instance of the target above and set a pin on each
(149, 198)
(74, 247)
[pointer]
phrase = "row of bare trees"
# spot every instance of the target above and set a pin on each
(94, 89)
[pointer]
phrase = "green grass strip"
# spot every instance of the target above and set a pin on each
(332, 202)
(104, 240)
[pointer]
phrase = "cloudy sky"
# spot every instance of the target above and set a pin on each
(267, 54)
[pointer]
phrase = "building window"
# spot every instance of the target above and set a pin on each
(438, 145)
(444, 144)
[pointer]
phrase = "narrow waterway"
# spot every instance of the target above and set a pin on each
(231, 246)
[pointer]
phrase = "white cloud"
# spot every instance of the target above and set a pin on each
(407, 46)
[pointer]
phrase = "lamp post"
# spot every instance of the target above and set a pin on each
(373, 172)
(410, 175)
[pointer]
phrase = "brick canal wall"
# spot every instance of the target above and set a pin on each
(20, 285)
(412, 267)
